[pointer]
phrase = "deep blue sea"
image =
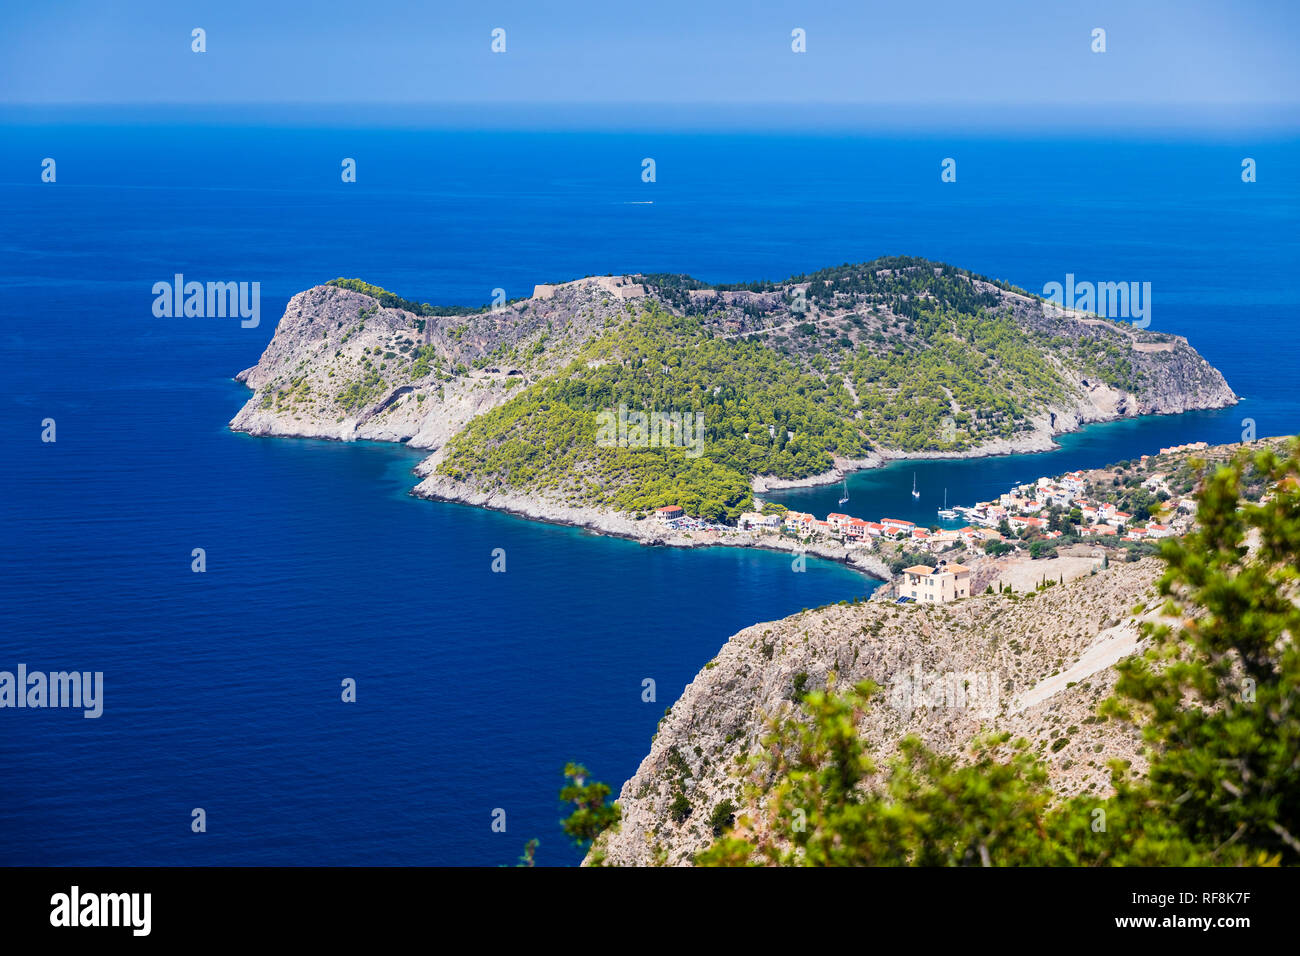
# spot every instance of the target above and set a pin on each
(222, 689)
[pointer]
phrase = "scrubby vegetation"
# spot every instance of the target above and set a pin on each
(540, 444)
(762, 415)
(391, 301)
(961, 380)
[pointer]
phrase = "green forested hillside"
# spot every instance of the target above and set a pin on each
(899, 354)
(983, 364)
(538, 443)
(545, 438)
(765, 410)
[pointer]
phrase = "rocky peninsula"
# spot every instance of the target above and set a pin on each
(798, 382)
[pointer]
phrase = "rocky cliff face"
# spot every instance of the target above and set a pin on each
(1035, 665)
(341, 366)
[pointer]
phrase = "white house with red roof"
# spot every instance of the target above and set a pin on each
(670, 514)
(797, 520)
(891, 526)
(1117, 518)
(973, 535)
(836, 520)
(1101, 530)
(943, 539)
(1074, 482)
(1021, 523)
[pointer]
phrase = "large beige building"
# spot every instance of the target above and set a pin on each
(940, 585)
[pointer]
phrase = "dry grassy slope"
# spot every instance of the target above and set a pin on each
(723, 713)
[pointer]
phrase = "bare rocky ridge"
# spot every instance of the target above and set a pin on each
(646, 531)
(1049, 655)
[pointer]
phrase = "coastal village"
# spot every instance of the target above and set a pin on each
(1078, 508)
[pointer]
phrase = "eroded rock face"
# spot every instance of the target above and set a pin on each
(342, 367)
(1048, 656)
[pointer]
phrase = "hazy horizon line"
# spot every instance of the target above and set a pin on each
(746, 116)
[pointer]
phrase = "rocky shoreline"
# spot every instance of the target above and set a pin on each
(646, 531)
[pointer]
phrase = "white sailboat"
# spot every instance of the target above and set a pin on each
(846, 492)
(915, 493)
(946, 513)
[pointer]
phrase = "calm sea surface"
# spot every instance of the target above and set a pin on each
(222, 689)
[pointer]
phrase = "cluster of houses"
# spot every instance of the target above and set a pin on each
(1020, 508)
(894, 529)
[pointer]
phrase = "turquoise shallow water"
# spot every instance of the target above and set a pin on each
(222, 689)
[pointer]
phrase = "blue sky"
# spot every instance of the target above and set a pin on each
(953, 54)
